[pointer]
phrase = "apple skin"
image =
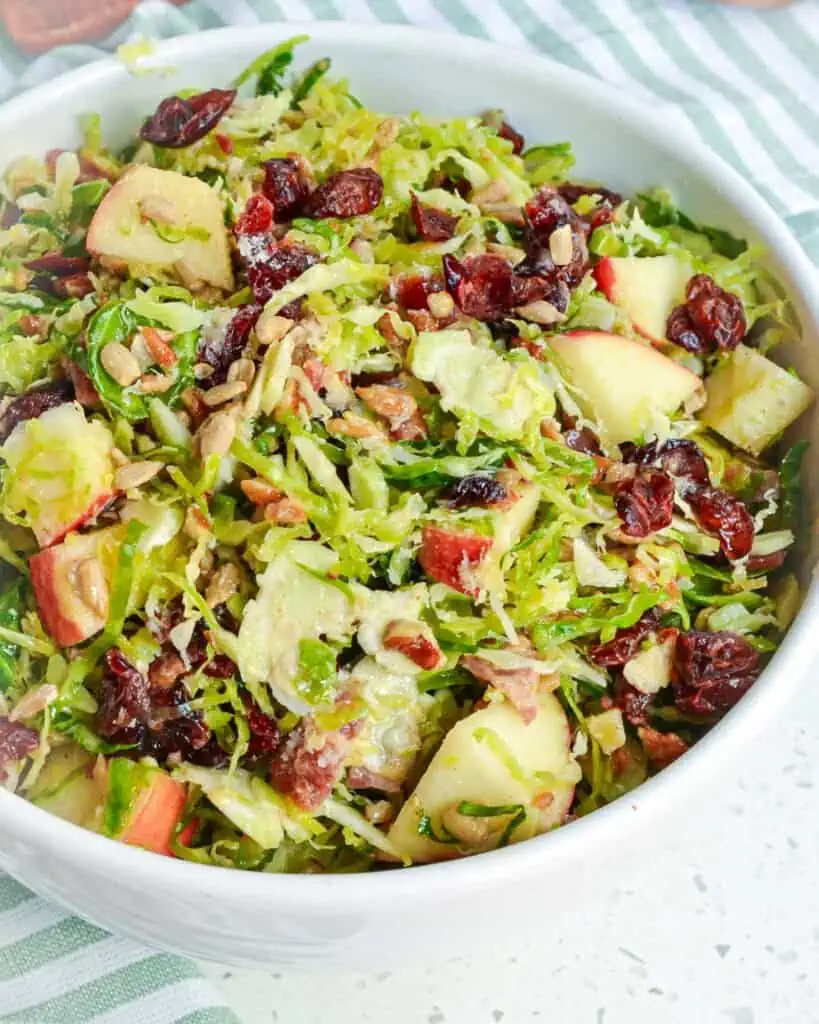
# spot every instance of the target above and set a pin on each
(121, 230)
(623, 384)
(46, 538)
(646, 288)
(65, 617)
(157, 811)
(604, 275)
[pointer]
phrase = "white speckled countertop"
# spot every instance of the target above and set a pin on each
(713, 919)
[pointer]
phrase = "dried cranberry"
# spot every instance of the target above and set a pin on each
(265, 735)
(727, 517)
(34, 403)
(459, 186)
(582, 440)
(16, 742)
(223, 349)
(432, 224)
(310, 763)
(346, 194)
(572, 192)
(682, 331)
(77, 286)
(634, 704)
(645, 502)
(58, 264)
(626, 642)
(717, 314)
(412, 292)
(480, 285)
(178, 123)
(126, 704)
(155, 720)
(766, 563)
(603, 213)
(539, 260)
(678, 457)
(548, 210)
(270, 266)
(286, 187)
(479, 489)
(506, 131)
(662, 748)
(531, 288)
(220, 666)
(712, 671)
(683, 458)
(257, 217)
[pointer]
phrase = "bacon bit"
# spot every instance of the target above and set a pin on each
(315, 371)
(157, 344)
(518, 685)
(309, 765)
(363, 778)
(260, 492)
(77, 286)
(453, 556)
(422, 320)
(415, 641)
(84, 390)
(662, 748)
(165, 670)
(31, 325)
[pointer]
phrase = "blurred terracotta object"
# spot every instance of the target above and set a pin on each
(38, 25)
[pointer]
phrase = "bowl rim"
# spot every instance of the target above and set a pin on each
(438, 882)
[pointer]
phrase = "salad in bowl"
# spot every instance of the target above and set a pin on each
(373, 492)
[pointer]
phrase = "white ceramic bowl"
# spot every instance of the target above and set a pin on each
(372, 920)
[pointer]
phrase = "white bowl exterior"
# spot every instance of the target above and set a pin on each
(386, 918)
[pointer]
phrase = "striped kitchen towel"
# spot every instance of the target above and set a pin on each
(57, 969)
(747, 82)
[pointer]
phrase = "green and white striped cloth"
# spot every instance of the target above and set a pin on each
(749, 85)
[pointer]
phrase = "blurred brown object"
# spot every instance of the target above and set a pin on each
(38, 25)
